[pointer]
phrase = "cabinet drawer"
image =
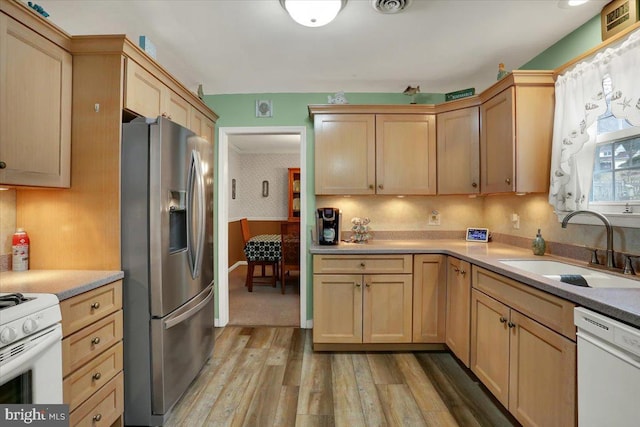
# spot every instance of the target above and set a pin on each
(88, 343)
(86, 308)
(370, 264)
(103, 408)
(551, 311)
(86, 380)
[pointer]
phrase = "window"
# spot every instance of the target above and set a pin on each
(616, 170)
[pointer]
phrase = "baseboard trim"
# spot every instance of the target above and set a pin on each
(379, 347)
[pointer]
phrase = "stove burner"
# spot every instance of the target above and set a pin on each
(9, 300)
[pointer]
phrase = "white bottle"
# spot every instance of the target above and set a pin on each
(20, 251)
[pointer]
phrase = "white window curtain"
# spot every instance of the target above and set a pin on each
(579, 101)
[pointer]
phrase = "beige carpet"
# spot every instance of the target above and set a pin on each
(265, 306)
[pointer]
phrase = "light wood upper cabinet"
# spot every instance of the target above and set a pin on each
(143, 92)
(35, 108)
(429, 298)
(405, 154)
(515, 142)
(459, 151)
(458, 308)
(176, 108)
(148, 96)
(201, 125)
(375, 154)
(345, 153)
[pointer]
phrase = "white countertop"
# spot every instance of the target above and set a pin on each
(619, 303)
(63, 283)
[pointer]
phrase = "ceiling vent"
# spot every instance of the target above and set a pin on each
(390, 6)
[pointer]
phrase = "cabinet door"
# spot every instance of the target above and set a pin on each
(201, 125)
(337, 308)
(386, 314)
(497, 143)
(429, 298)
(344, 153)
(534, 132)
(459, 151)
(35, 108)
(458, 308)
(542, 375)
(490, 344)
(405, 154)
(143, 92)
(176, 108)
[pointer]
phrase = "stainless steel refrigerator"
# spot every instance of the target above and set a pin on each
(167, 258)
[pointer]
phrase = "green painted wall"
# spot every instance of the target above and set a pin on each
(574, 44)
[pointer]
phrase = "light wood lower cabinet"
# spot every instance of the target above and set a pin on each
(352, 307)
(530, 368)
(92, 356)
(429, 298)
(458, 308)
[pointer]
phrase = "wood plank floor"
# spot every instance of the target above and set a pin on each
(270, 376)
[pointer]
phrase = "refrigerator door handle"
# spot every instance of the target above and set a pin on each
(173, 321)
(196, 198)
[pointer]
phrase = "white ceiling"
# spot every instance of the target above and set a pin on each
(252, 46)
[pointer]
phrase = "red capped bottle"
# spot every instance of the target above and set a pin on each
(20, 250)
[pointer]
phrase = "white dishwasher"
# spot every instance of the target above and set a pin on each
(608, 371)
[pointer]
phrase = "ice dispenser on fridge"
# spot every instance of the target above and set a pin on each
(328, 226)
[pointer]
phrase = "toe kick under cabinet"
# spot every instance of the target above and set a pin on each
(92, 356)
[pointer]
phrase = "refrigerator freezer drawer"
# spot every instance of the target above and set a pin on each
(181, 344)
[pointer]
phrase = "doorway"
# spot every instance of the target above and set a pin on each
(224, 190)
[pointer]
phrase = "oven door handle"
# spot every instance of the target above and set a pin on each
(15, 366)
(170, 323)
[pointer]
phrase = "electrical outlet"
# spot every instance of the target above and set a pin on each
(515, 221)
(434, 218)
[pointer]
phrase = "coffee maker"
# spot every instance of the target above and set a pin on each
(328, 226)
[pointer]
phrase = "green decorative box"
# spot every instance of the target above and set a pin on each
(459, 94)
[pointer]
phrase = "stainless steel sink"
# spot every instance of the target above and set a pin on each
(557, 270)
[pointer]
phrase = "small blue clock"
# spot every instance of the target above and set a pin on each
(477, 235)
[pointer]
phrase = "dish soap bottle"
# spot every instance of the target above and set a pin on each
(538, 244)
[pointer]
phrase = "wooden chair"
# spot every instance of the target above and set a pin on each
(290, 237)
(251, 264)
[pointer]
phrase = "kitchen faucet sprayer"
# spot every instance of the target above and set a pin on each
(607, 224)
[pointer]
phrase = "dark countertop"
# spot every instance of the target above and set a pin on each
(63, 283)
(619, 303)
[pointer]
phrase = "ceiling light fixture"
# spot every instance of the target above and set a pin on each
(313, 13)
(565, 4)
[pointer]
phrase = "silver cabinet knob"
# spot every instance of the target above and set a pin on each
(96, 376)
(95, 305)
(95, 341)
(507, 181)
(474, 185)
(502, 319)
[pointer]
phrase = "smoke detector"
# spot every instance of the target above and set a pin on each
(389, 7)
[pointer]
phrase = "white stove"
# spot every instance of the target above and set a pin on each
(30, 349)
(24, 314)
